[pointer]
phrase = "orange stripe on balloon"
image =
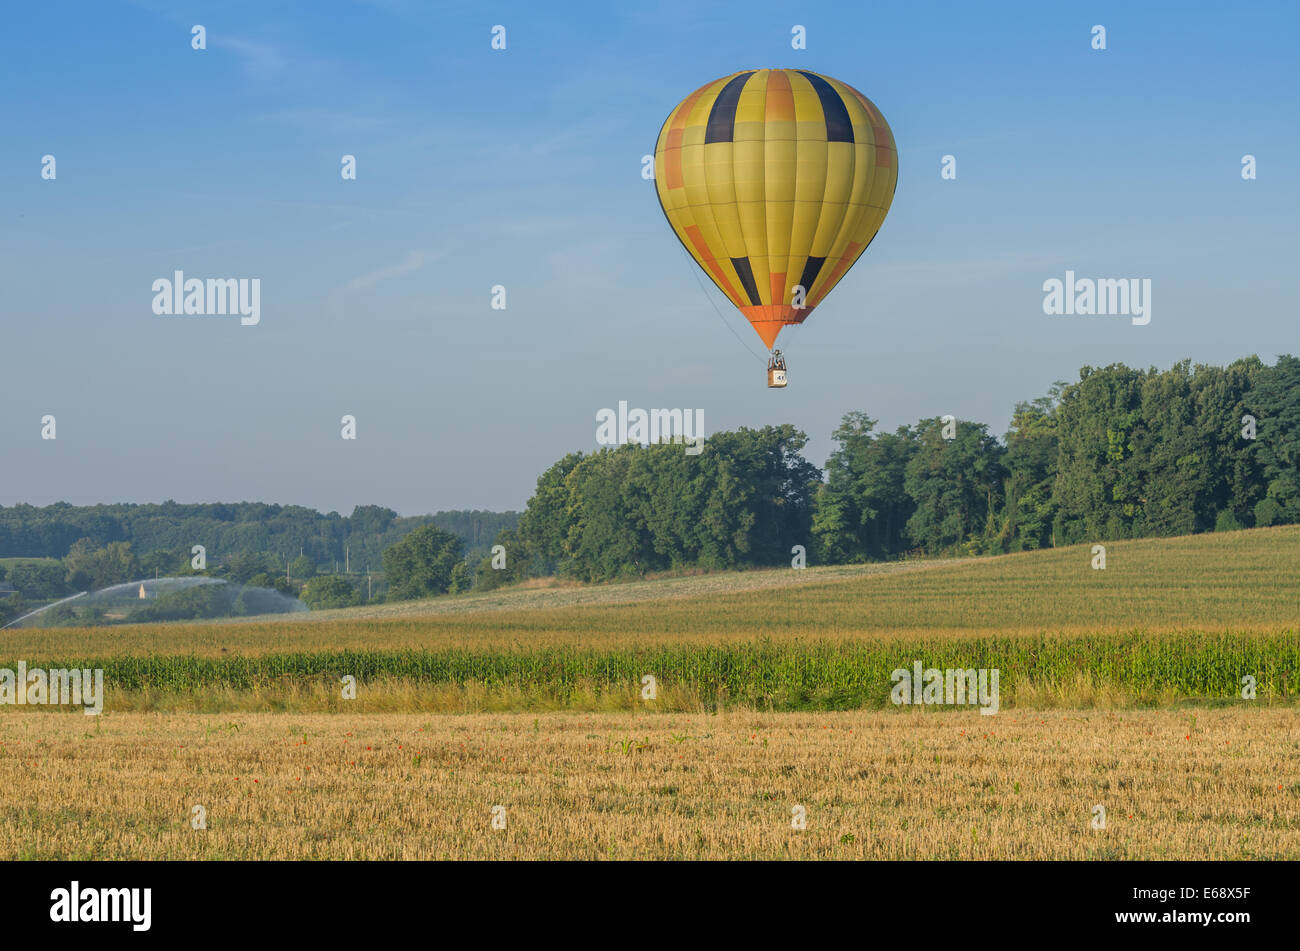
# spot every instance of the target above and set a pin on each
(843, 264)
(673, 144)
(886, 157)
(780, 100)
(673, 158)
(884, 152)
(778, 287)
(867, 104)
(702, 249)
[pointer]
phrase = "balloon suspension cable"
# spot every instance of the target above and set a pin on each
(789, 335)
(703, 290)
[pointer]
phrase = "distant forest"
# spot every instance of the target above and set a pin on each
(327, 561)
(281, 532)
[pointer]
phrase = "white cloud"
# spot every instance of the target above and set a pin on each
(413, 260)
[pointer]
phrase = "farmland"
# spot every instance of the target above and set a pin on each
(1218, 783)
(1243, 581)
(1120, 688)
(1167, 621)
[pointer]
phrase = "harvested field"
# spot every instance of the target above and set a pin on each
(1219, 784)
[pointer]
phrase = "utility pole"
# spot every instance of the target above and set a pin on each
(347, 564)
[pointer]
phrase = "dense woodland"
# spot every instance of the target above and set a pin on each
(1120, 453)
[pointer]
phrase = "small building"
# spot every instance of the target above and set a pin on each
(143, 593)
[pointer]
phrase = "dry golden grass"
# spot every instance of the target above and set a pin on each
(956, 785)
(551, 592)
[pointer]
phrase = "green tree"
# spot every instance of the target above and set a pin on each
(39, 580)
(370, 520)
(1098, 489)
(956, 485)
(164, 563)
(519, 563)
(329, 591)
(1032, 450)
(274, 582)
(863, 508)
(1237, 483)
(603, 541)
(80, 563)
(746, 499)
(302, 568)
(421, 564)
(1156, 452)
(1275, 400)
(11, 606)
(462, 578)
(244, 565)
(542, 533)
(91, 567)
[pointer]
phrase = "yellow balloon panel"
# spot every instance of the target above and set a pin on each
(774, 179)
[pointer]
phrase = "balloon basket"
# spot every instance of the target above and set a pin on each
(776, 370)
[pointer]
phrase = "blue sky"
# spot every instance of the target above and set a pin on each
(522, 168)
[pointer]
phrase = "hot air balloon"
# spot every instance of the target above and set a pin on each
(775, 181)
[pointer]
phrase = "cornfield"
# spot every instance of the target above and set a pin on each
(765, 675)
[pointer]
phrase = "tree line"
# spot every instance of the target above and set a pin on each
(278, 532)
(1121, 453)
(291, 549)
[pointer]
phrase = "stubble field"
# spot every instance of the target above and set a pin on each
(1215, 784)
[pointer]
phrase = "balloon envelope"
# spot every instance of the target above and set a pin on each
(775, 180)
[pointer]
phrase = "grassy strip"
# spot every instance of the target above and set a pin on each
(764, 675)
